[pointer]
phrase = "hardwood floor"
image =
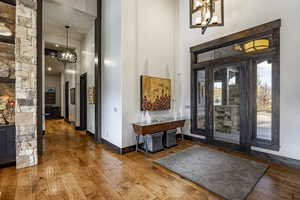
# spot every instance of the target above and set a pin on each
(74, 167)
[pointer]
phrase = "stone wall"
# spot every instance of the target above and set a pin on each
(26, 93)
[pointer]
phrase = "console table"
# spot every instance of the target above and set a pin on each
(143, 128)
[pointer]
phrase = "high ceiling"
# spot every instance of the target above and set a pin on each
(57, 14)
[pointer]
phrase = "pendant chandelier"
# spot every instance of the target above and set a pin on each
(206, 13)
(68, 55)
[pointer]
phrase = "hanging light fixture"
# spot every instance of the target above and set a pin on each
(67, 56)
(206, 13)
(253, 46)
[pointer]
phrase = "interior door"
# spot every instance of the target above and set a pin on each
(83, 102)
(67, 101)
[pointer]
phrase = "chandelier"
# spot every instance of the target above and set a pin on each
(206, 13)
(68, 55)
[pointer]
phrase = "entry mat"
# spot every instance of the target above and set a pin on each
(229, 176)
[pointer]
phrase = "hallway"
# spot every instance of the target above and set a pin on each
(74, 167)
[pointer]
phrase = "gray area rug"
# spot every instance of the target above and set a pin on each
(231, 177)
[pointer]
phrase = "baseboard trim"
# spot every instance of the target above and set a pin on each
(277, 159)
(78, 128)
(88, 133)
(8, 164)
(128, 149)
(113, 147)
(262, 155)
(50, 118)
(117, 149)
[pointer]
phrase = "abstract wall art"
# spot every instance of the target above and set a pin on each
(155, 93)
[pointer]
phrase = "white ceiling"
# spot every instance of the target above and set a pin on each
(57, 15)
(56, 66)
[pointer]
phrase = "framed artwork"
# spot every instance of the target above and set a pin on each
(72, 94)
(155, 93)
(91, 95)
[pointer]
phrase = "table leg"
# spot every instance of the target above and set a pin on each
(146, 145)
(137, 137)
(182, 134)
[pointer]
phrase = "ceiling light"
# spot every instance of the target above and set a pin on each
(4, 30)
(49, 69)
(206, 13)
(254, 45)
(67, 56)
(56, 45)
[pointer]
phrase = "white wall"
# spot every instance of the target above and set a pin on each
(240, 15)
(111, 72)
(53, 81)
(149, 35)
(88, 66)
(71, 73)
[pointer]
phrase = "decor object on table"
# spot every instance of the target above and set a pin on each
(148, 118)
(229, 176)
(155, 94)
(68, 55)
(72, 94)
(91, 95)
(206, 13)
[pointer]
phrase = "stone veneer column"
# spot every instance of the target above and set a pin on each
(26, 90)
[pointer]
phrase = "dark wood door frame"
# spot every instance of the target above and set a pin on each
(67, 101)
(244, 123)
(83, 101)
(39, 82)
(98, 67)
(273, 29)
(40, 73)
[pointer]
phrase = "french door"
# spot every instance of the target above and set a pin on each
(220, 99)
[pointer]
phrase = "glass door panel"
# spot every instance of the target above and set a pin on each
(201, 99)
(226, 98)
(264, 100)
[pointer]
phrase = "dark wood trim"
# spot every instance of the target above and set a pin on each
(9, 40)
(248, 122)
(67, 101)
(235, 58)
(10, 2)
(83, 101)
(128, 149)
(7, 80)
(78, 128)
(88, 133)
(39, 81)
(237, 37)
(265, 156)
(113, 147)
(8, 164)
(98, 67)
(117, 149)
(277, 159)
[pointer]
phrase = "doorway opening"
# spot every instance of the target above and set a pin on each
(235, 89)
(62, 89)
(83, 102)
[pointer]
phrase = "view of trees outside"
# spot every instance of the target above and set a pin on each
(201, 99)
(264, 100)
